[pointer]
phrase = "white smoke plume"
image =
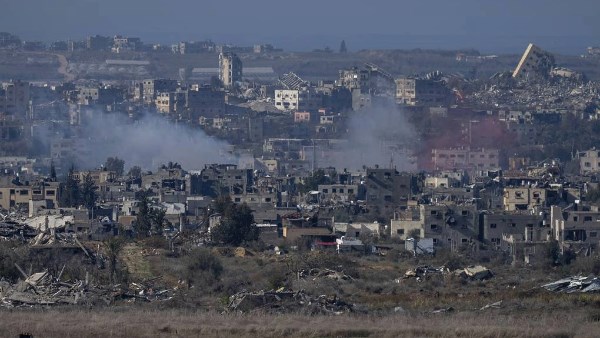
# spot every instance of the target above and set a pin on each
(378, 135)
(149, 142)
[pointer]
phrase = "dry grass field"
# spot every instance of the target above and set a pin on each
(136, 322)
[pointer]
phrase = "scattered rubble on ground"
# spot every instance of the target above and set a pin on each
(287, 301)
(475, 272)
(422, 271)
(443, 310)
(315, 274)
(495, 305)
(10, 230)
(43, 289)
(574, 284)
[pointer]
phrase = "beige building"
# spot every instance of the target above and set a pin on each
(495, 225)
(589, 161)
(465, 158)
(422, 92)
(13, 196)
(575, 226)
(230, 69)
(523, 198)
(450, 225)
(338, 192)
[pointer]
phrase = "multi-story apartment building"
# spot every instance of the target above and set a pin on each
(230, 69)
(422, 92)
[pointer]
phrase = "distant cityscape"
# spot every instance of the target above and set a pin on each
(348, 153)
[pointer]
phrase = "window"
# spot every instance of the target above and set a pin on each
(465, 212)
(433, 226)
(464, 240)
(351, 191)
(325, 191)
(50, 192)
(575, 218)
(587, 218)
(400, 231)
(341, 191)
(493, 225)
(514, 225)
(333, 190)
(593, 234)
(24, 192)
(434, 212)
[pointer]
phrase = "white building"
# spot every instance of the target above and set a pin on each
(294, 100)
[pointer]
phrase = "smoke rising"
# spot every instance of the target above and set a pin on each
(378, 135)
(148, 142)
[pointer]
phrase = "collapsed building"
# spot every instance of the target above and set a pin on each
(535, 62)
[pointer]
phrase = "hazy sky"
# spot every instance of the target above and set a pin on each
(307, 24)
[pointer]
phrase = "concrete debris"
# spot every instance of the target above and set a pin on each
(422, 271)
(574, 284)
(10, 230)
(43, 289)
(443, 310)
(495, 305)
(325, 273)
(399, 309)
(478, 272)
(287, 301)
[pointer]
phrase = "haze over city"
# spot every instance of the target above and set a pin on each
(490, 26)
(299, 169)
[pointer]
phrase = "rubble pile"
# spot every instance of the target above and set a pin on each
(556, 94)
(43, 289)
(422, 271)
(476, 272)
(325, 273)
(10, 230)
(574, 284)
(287, 301)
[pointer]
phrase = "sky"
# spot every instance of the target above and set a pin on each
(487, 25)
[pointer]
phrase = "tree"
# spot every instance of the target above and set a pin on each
(115, 164)
(237, 226)
(143, 222)
(71, 194)
(343, 48)
(113, 246)
(88, 192)
(135, 172)
(158, 219)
